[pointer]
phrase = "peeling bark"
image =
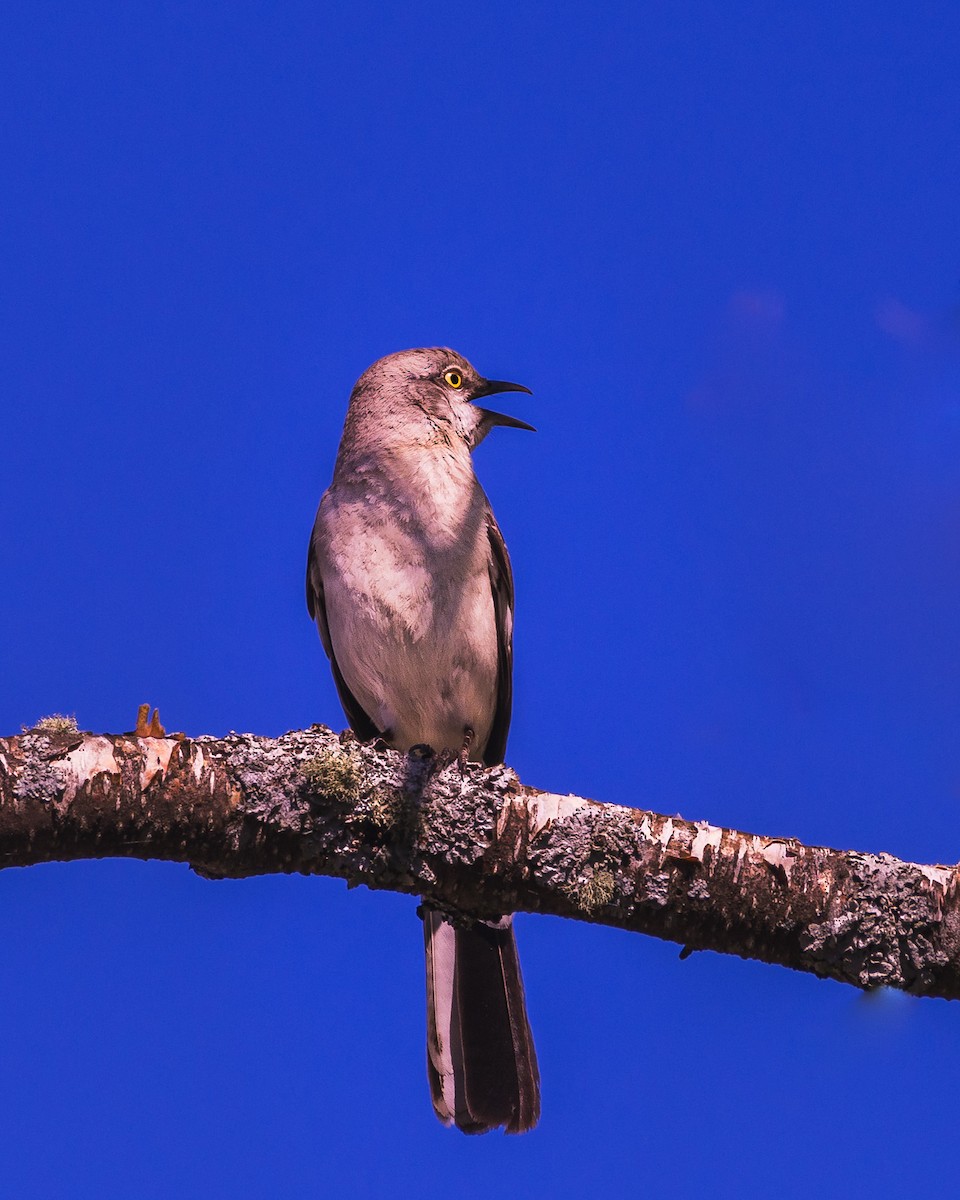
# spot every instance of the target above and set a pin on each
(475, 841)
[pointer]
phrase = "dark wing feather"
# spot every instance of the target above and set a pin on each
(501, 582)
(360, 723)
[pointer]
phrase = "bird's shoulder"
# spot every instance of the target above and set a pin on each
(357, 512)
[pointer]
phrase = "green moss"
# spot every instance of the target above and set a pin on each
(55, 723)
(593, 893)
(335, 775)
(384, 808)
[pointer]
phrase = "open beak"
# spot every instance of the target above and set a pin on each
(490, 387)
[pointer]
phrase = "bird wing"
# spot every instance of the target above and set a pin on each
(501, 583)
(360, 722)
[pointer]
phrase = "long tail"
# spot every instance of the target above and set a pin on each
(480, 1056)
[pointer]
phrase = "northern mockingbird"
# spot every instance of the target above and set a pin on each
(409, 582)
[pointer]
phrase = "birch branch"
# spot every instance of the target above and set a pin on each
(477, 842)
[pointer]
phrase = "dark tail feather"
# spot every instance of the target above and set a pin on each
(480, 1055)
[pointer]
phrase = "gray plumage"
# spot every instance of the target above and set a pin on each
(410, 585)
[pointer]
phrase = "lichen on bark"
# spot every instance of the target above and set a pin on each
(474, 841)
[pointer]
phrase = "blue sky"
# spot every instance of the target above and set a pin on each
(721, 244)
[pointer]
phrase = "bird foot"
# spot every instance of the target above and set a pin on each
(419, 769)
(464, 756)
(438, 761)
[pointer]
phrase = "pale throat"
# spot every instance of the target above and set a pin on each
(442, 486)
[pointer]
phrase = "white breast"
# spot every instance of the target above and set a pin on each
(410, 607)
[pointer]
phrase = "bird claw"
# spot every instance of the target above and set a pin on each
(464, 756)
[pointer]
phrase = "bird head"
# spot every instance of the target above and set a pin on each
(439, 384)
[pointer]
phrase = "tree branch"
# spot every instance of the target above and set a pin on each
(477, 842)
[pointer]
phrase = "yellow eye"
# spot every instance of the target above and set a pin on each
(454, 378)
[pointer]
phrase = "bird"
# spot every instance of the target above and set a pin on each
(410, 586)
